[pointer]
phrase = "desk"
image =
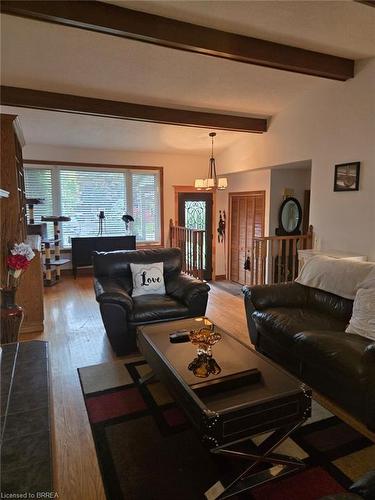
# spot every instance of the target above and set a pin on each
(82, 248)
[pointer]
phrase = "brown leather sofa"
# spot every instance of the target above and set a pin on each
(121, 313)
(303, 330)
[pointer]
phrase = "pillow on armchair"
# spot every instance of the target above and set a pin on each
(121, 312)
(148, 279)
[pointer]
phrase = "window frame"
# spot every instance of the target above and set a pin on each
(57, 166)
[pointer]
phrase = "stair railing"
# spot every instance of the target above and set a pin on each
(191, 243)
(275, 258)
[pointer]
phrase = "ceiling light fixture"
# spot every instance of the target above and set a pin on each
(212, 181)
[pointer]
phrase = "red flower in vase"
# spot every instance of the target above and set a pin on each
(17, 262)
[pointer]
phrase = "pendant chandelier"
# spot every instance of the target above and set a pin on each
(212, 181)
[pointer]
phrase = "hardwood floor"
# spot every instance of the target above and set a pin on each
(76, 336)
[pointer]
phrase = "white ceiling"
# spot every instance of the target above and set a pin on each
(63, 59)
(68, 60)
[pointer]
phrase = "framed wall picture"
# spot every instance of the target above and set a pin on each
(347, 177)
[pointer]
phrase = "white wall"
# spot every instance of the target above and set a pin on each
(179, 169)
(258, 180)
(281, 178)
(332, 125)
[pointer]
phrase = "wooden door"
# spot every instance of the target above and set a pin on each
(195, 212)
(246, 221)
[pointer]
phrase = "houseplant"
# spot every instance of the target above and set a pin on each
(11, 314)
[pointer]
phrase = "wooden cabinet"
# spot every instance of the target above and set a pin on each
(13, 224)
(13, 208)
(32, 279)
(246, 215)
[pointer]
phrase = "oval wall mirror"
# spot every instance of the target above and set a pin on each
(290, 216)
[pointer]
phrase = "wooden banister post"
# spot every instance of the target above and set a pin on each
(310, 239)
(200, 255)
(171, 232)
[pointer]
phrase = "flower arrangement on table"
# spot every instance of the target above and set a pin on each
(11, 314)
(18, 261)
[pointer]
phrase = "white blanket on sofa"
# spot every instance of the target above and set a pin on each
(339, 276)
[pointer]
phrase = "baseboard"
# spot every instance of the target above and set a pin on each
(220, 277)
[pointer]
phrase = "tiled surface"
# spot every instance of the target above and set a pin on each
(8, 357)
(26, 422)
(20, 451)
(26, 444)
(35, 477)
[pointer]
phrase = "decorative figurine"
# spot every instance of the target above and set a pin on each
(127, 219)
(101, 218)
(204, 337)
(221, 227)
(204, 364)
(247, 263)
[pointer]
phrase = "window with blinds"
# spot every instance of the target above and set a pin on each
(38, 184)
(145, 197)
(84, 194)
(81, 193)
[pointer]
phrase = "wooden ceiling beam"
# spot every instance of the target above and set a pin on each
(369, 3)
(127, 23)
(68, 103)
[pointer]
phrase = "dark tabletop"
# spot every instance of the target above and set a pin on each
(231, 355)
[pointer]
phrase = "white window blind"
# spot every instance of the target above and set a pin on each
(85, 193)
(146, 203)
(81, 193)
(38, 184)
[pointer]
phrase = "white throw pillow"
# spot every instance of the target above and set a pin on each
(369, 281)
(339, 276)
(148, 278)
(362, 321)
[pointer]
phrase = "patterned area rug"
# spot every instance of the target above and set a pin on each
(147, 449)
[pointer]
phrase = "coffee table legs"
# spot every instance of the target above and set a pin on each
(282, 464)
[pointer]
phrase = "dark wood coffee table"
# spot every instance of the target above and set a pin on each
(229, 411)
